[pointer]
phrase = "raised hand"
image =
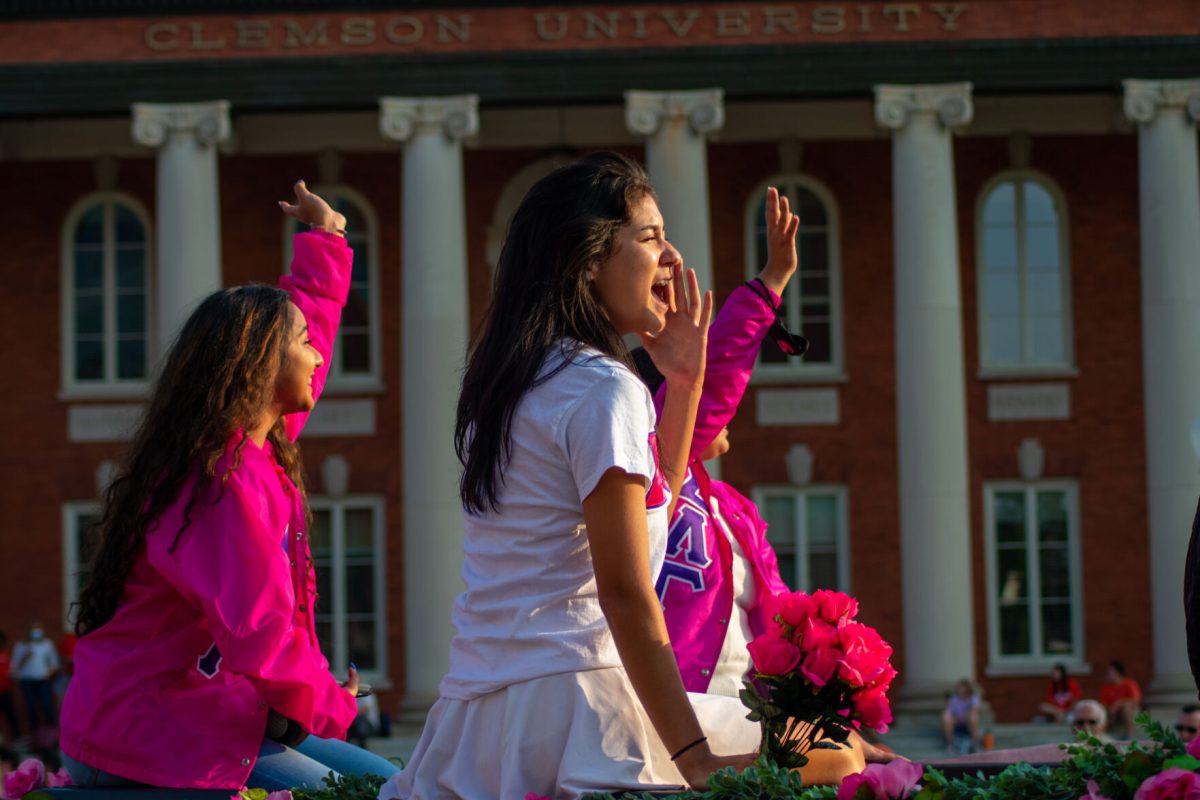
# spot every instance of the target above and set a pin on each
(313, 211)
(678, 350)
(782, 225)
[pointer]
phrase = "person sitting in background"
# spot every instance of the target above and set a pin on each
(1121, 697)
(1090, 716)
(1188, 724)
(1061, 693)
(960, 718)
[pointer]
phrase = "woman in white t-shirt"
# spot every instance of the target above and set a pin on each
(562, 678)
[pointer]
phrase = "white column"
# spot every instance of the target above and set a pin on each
(434, 343)
(187, 212)
(935, 531)
(676, 125)
(1169, 193)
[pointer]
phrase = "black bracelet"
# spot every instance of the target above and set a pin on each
(765, 294)
(684, 749)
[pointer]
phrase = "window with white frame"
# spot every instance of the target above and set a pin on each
(79, 540)
(807, 527)
(1035, 612)
(1024, 282)
(812, 299)
(347, 543)
(355, 362)
(106, 294)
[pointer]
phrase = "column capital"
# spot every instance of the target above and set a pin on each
(1144, 99)
(154, 123)
(951, 102)
(704, 110)
(456, 118)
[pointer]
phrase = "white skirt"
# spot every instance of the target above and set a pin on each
(561, 736)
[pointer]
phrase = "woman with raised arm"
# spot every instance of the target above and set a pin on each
(562, 679)
(197, 663)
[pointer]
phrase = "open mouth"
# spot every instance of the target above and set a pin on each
(662, 292)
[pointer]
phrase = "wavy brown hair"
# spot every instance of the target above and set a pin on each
(543, 298)
(217, 379)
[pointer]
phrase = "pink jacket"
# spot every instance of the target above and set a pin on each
(695, 584)
(174, 690)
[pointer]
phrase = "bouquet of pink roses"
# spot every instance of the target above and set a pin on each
(818, 675)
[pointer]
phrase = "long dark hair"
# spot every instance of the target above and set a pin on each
(542, 297)
(217, 379)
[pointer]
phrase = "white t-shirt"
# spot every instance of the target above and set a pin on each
(530, 608)
(34, 660)
(734, 659)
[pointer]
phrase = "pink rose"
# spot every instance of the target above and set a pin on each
(55, 780)
(793, 608)
(820, 665)
(816, 634)
(773, 656)
(1094, 792)
(835, 606)
(894, 781)
(30, 775)
(1170, 784)
(873, 709)
(1193, 748)
(884, 679)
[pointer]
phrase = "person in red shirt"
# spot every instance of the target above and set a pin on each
(1122, 697)
(6, 690)
(1062, 692)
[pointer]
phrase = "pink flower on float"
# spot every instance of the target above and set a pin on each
(835, 606)
(793, 607)
(896, 780)
(1193, 748)
(29, 775)
(816, 634)
(1094, 792)
(56, 780)
(1170, 784)
(820, 665)
(773, 656)
(873, 709)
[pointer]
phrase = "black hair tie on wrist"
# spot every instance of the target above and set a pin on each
(685, 748)
(790, 344)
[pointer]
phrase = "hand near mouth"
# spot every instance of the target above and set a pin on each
(678, 351)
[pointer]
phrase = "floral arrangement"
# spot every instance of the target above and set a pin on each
(818, 674)
(30, 775)
(1159, 768)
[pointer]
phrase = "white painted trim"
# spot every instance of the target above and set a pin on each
(1036, 661)
(799, 369)
(1025, 366)
(339, 382)
(71, 512)
(110, 386)
(800, 496)
(379, 677)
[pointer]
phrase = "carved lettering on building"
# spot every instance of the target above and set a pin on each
(713, 24)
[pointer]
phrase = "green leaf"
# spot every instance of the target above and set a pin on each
(1136, 767)
(1189, 763)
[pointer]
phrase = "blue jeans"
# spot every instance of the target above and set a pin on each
(278, 767)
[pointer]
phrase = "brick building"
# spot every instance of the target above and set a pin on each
(1000, 274)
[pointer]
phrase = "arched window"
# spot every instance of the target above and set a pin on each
(812, 300)
(1024, 282)
(355, 362)
(106, 294)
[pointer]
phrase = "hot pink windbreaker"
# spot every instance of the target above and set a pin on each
(696, 581)
(174, 690)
